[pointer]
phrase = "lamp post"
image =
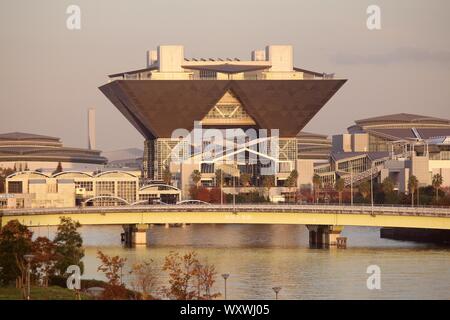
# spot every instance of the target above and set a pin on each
(234, 194)
(221, 187)
(276, 290)
(351, 183)
(371, 185)
(28, 258)
(225, 277)
(418, 196)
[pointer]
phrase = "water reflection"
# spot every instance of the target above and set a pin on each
(259, 257)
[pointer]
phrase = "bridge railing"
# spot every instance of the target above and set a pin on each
(294, 208)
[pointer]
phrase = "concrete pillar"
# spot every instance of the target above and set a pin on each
(320, 236)
(134, 234)
(126, 236)
(315, 236)
(333, 233)
(140, 234)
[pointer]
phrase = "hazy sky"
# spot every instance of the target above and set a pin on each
(50, 75)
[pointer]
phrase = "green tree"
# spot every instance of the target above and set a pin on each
(167, 175)
(45, 259)
(69, 245)
(196, 176)
(268, 183)
(436, 183)
(245, 179)
(317, 181)
(387, 186)
(291, 182)
(339, 186)
(294, 175)
(364, 189)
(413, 184)
(15, 242)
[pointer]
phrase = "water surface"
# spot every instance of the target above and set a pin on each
(259, 257)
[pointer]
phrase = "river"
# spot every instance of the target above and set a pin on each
(259, 257)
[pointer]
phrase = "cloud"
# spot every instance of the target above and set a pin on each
(399, 55)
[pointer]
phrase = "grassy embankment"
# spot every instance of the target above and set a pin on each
(41, 293)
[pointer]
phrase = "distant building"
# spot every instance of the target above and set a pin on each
(25, 151)
(30, 189)
(130, 158)
(379, 133)
(396, 146)
(313, 146)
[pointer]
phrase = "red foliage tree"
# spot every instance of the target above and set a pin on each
(203, 194)
(112, 268)
(188, 278)
(214, 195)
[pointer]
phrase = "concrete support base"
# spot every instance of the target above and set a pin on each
(134, 234)
(323, 236)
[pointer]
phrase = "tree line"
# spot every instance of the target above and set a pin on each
(384, 192)
(189, 278)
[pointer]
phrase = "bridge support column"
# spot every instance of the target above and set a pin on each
(134, 234)
(320, 236)
(140, 234)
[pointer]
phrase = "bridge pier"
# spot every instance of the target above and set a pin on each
(134, 234)
(323, 236)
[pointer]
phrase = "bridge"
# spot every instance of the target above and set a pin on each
(324, 222)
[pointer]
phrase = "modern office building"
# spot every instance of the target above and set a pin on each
(25, 151)
(267, 92)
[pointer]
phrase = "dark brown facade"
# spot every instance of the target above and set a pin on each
(157, 107)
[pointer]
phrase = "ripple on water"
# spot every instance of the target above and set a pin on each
(259, 257)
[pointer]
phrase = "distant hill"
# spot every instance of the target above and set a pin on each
(123, 154)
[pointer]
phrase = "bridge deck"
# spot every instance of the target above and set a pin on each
(377, 216)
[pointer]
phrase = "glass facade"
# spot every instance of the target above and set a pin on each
(105, 188)
(287, 149)
(87, 185)
(127, 190)
(163, 149)
(354, 165)
(228, 110)
(377, 144)
(15, 187)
